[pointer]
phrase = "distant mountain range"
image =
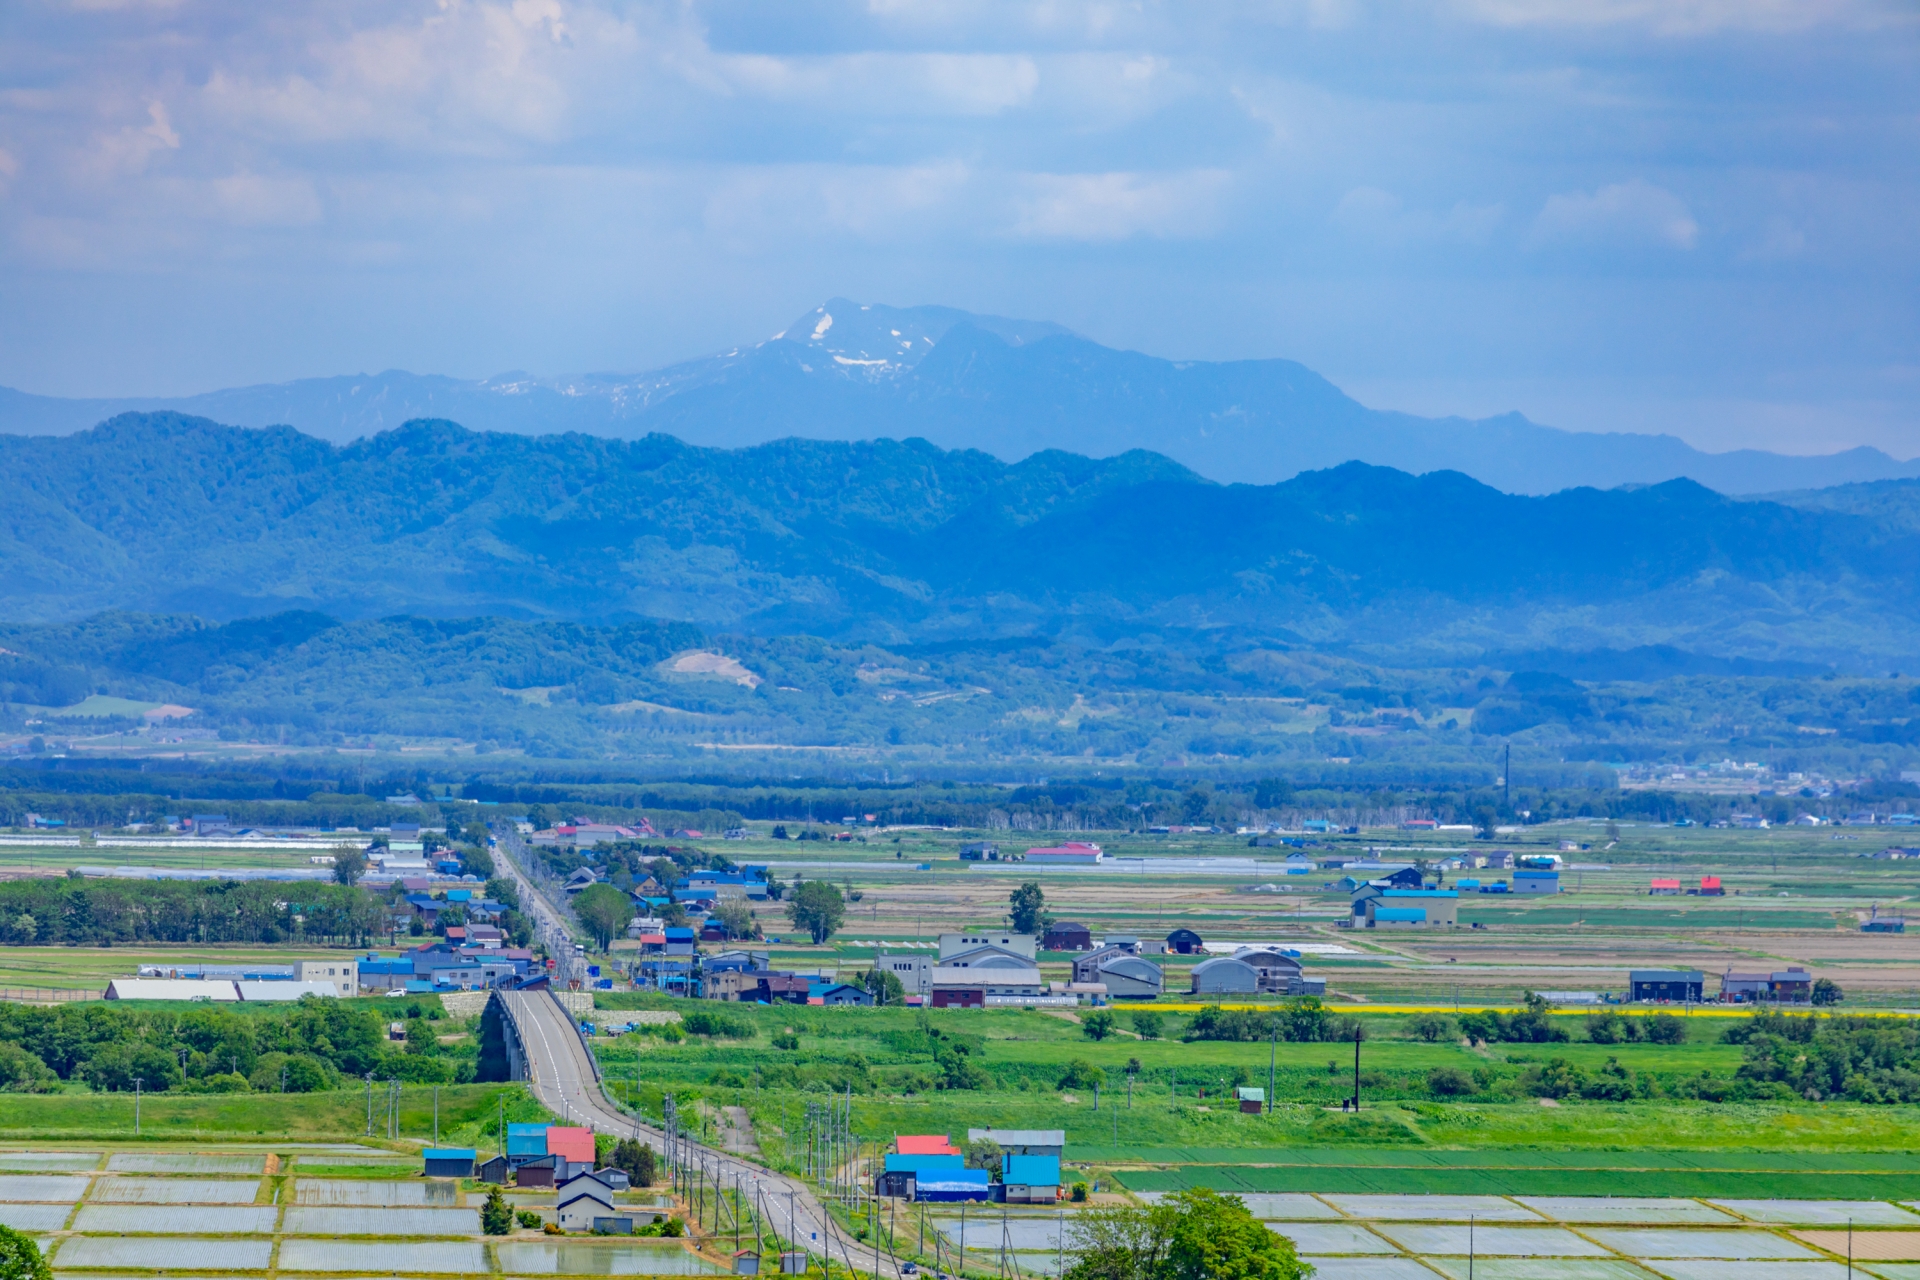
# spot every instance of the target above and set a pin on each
(1011, 388)
(906, 543)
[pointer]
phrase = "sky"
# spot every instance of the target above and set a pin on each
(1694, 216)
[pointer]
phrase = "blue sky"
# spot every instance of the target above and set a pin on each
(1698, 216)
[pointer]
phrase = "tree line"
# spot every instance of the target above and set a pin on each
(313, 1044)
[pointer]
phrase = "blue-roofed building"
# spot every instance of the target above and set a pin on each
(525, 1142)
(1406, 908)
(680, 941)
(459, 895)
(1536, 882)
(837, 993)
(449, 1162)
(1031, 1179)
(379, 973)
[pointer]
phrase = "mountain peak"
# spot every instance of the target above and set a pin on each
(877, 337)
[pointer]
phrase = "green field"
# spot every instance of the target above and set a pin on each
(467, 1114)
(1525, 1179)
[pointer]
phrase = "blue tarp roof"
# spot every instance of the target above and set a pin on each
(449, 1153)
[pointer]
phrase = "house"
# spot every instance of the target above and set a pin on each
(1073, 853)
(679, 941)
(780, 988)
(494, 1170)
(837, 993)
(571, 1143)
(1663, 888)
(1067, 935)
(1031, 1179)
(449, 1162)
(979, 851)
(585, 1203)
(915, 973)
(1792, 985)
(525, 1142)
(1709, 888)
(582, 878)
(1740, 988)
(902, 1172)
(1665, 984)
(1021, 944)
(1884, 924)
(1185, 942)
(1130, 977)
(1024, 1142)
(1252, 1101)
(1536, 882)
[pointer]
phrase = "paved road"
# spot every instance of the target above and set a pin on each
(561, 1076)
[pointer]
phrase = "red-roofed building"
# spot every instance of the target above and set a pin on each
(1710, 887)
(572, 1144)
(924, 1144)
(1667, 888)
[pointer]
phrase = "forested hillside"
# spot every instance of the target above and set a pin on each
(906, 543)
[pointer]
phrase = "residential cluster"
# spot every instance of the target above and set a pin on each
(1013, 1166)
(554, 1156)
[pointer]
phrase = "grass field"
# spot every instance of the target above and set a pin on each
(467, 1114)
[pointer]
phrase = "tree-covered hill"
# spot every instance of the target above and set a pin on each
(902, 542)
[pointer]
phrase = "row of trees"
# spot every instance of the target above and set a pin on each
(310, 1045)
(102, 912)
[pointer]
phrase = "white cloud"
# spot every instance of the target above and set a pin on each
(251, 199)
(1634, 211)
(1684, 17)
(1380, 216)
(964, 84)
(1117, 206)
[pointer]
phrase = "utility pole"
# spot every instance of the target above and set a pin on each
(1506, 777)
(137, 1082)
(1273, 1049)
(1356, 1069)
(436, 1115)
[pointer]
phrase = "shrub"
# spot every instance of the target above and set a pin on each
(1147, 1024)
(552, 1229)
(1432, 1027)
(1097, 1025)
(704, 1022)
(1664, 1028)
(528, 1218)
(1081, 1074)
(1449, 1082)
(786, 1040)
(1079, 1193)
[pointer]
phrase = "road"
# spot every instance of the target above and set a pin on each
(561, 1076)
(549, 922)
